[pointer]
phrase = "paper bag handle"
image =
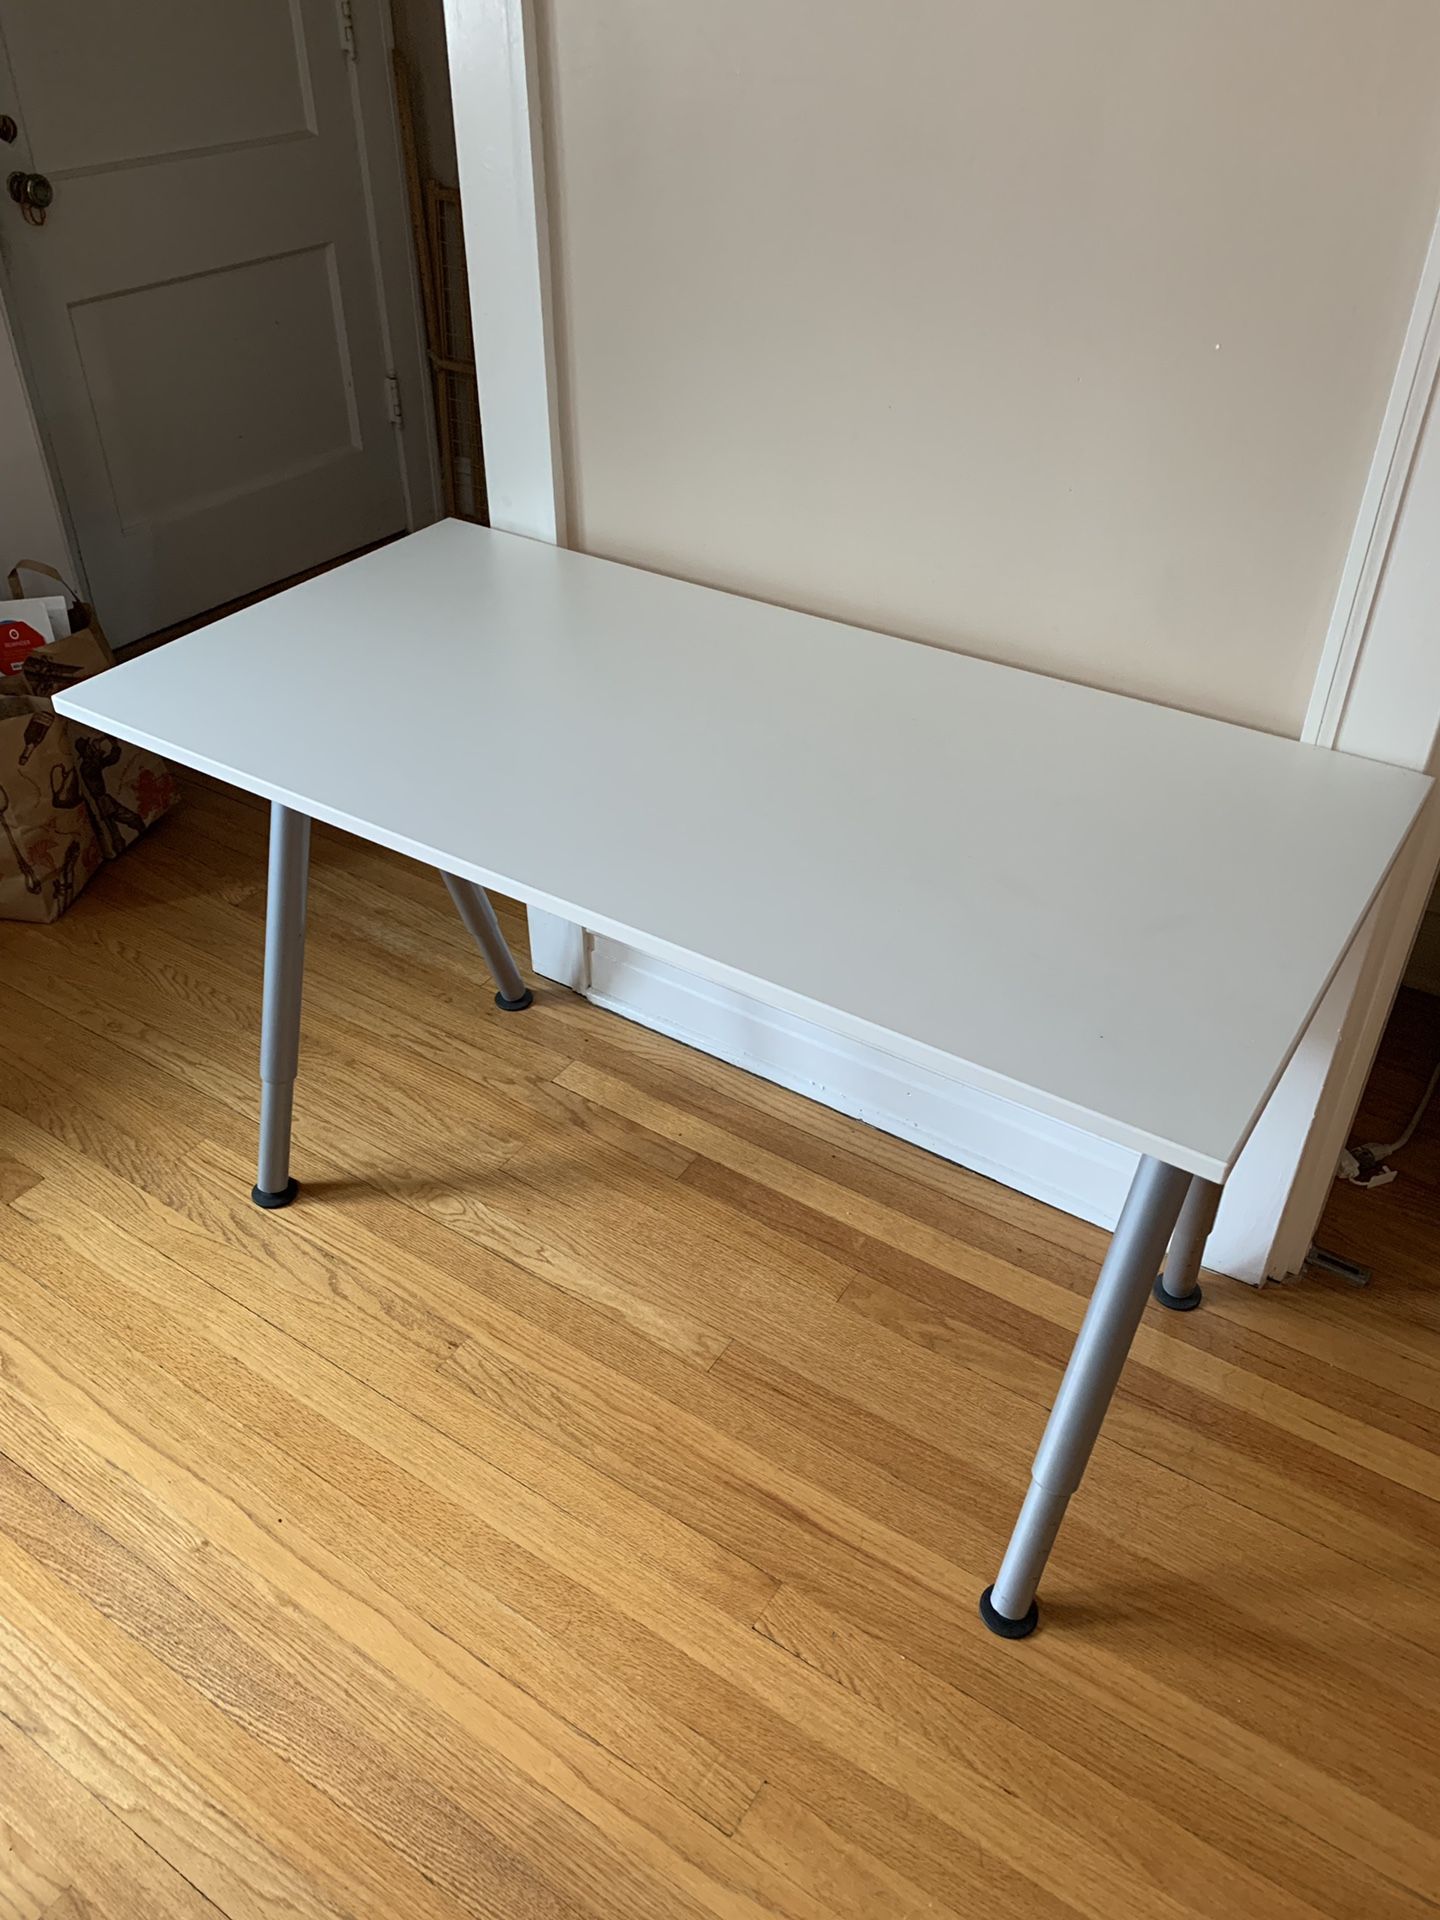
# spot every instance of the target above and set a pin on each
(39, 566)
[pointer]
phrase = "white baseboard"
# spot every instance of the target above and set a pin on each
(1045, 1158)
(1061, 1165)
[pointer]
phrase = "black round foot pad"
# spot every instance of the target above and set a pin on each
(1177, 1302)
(271, 1200)
(1020, 1629)
(526, 999)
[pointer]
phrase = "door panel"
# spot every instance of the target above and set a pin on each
(162, 78)
(182, 436)
(199, 315)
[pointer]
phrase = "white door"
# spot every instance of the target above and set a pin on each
(199, 314)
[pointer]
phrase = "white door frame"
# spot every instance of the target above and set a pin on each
(500, 156)
(1345, 657)
(1278, 1188)
(397, 285)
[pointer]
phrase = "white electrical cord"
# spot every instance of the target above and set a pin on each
(1382, 1150)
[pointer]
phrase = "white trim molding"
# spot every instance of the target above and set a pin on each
(1380, 504)
(500, 154)
(494, 84)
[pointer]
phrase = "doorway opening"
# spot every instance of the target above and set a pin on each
(217, 296)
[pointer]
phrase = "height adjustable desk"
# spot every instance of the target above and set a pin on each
(1108, 912)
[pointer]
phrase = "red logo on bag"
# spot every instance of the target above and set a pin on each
(155, 793)
(18, 640)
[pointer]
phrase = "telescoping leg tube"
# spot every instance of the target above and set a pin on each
(1151, 1209)
(1178, 1287)
(280, 1020)
(473, 905)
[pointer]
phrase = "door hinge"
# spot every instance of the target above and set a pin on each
(392, 399)
(347, 27)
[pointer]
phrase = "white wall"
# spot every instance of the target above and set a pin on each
(30, 526)
(1058, 333)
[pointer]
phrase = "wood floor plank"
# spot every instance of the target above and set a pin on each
(891, 1492)
(852, 1883)
(1235, 1850)
(977, 1213)
(369, 1378)
(378, 1126)
(965, 1415)
(108, 1444)
(576, 1504)
(238, 1824)
(377, 1748)
(30, 1887)
(1244, 1482)
(322, 1549)
(1305, 1709)
(1409, 1463)
(108, 1871)
(1371, 1496)
(497, 1298)
(644, 1660)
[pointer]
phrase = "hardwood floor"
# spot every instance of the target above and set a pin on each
(577, 1504)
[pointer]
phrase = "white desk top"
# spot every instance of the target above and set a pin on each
(1112, 913)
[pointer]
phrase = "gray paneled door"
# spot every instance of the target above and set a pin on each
(199, 314)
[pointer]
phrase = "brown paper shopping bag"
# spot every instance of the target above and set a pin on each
(48, 843)
(82, 617)
(125, 787)
(69, 797)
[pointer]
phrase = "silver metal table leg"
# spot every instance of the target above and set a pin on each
(473, 905)
(1178, 1287)
(280, 1020)
(1151, 1209)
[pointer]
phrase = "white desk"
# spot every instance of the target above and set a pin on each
(1109, 912)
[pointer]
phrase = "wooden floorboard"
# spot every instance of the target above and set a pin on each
(576, 1504)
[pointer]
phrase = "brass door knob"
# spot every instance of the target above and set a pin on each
(32, 193)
